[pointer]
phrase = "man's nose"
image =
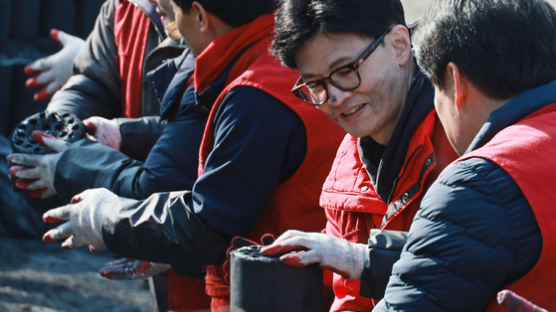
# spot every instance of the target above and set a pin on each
(335, 95)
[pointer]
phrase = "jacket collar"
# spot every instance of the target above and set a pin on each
(222, 51)
(170, 80)
(514, 110)
(419, 103)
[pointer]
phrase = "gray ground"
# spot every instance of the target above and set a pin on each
(35, 277)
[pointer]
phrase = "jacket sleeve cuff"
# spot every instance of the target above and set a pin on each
(385, 247)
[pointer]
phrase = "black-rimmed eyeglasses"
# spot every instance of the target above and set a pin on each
(345, 78)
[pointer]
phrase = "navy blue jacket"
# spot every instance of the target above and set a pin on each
(171, 163)
(475, 232)
(258, 144)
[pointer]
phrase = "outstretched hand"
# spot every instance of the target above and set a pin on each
(54, 70)
(83, 219)
(298, 248)
(35, 173)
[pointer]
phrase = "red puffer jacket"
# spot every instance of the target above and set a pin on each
(353, 207)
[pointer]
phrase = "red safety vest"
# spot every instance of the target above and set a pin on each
(131, 30)
(294, 203)
(353, 208)
(526, 151)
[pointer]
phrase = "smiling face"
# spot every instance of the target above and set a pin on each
(374, 108)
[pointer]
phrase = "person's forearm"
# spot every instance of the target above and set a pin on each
(84, 97)
(385, 248)
(139, 135)
(163, 228)
(86, 164)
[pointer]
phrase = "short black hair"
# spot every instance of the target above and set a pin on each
(297, 21)
(234, 13)
(503, 47)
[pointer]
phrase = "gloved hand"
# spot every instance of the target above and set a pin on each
(335, 254)
(84, 217)
(54, 70)
(240, 241)
(35, 173)
(515, 303)
(105, 131)
(127, 269)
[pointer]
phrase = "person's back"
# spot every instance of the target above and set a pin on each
(487, 222)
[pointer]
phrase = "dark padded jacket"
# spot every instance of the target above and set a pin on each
(475, 232)
(259, 143)
(171, 164)
(95, 89)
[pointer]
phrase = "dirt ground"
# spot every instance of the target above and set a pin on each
(35, 277)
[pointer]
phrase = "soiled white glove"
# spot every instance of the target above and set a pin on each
(301, 248)
(126, 269)
(35, 173)
(54, 70)
(84, 217)
(105, 131)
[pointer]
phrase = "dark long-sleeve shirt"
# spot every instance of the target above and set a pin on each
(259, 143)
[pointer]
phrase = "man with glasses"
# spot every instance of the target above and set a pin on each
(357, 67)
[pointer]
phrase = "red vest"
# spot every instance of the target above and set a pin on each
(294, 203)
(526, 151)
(131, 30)
(353, 208)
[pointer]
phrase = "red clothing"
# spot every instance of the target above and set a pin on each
(294, 204)
(131, 29)
(526, 152)
(353, 208)
(186, 294)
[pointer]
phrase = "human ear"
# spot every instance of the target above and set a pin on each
(458, 84)
(200, 16)
(399, 39)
